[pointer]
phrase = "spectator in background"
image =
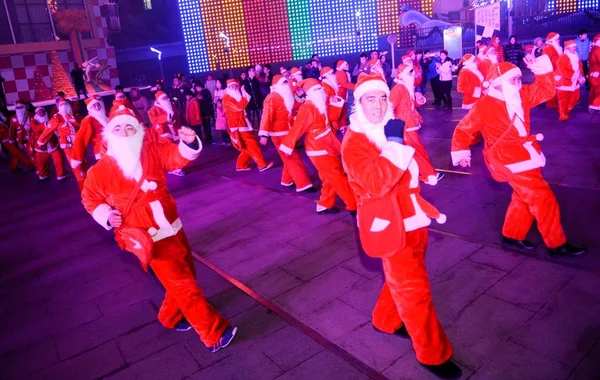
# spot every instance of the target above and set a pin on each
(444, 69)
(207, 111)
(478, 46)
(192, 113)
(313, 71)
(210, 84)
(387, 70)
(254, 107)
(538, 47)
(361, 67)
(434, 80)
(268, 73)
(498, 48)
(78, 80)
(141, 104)
(513, 52)
(424, 63)
(583, 46)
(374, 54)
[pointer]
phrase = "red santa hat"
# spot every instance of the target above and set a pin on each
(370, 82)
(468, 58)
(326, 70)
(309, 83)
(340, 63)
(295, 71)
(552, 36)
(500, 72)
(159, 94)
(278, 79)
(403, 69)
(232, 82)
(283, 70)
(570, 43)
(89, 102)
(40, 108)
(19, 101)
(596, 38)
(122, 115)
(407, 59)
(60, 100)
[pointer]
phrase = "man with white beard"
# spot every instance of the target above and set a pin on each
(513, 155)
(90, 131)
(127, 190)
(569, 76)
(404, 102)
(66, 125)
(487, 60)
(344, 80)
(240, 129)
(321, 145)
(10, 136)
(20, 126)
(275, 123)
(553, 50)
(165, 121)
(332, 90)
(470, 82)
(44, 151)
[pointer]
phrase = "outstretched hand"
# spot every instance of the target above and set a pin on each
(263, 141)
(187, 135)
(115, 219)
(464, 162)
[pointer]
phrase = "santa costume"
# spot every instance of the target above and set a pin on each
(164, 121)
(121, 99)
(515, 156)
(332, 90)
(487, 60)
(392, 224)
(275, 123)
(240, 128)
(43, 152)
(404, 107)
(66, 125)
(8, 137)
(128, 186)
(343, 78)
(20, 126)
(321, 145)
(410, 60)
(568, 76)
(295, 77)
(90, 131)
(594, 61)
(470, 82)
(553, 50)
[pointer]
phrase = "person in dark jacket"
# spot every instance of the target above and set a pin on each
(424, 63)
(78, 80)
(207, 111)
(252, 86)
(538, 47)
(513, 52)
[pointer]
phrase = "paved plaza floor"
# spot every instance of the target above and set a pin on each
(296, 283)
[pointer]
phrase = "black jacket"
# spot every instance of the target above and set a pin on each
(252, 87)
(513, 53)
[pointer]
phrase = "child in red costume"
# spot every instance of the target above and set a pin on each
(392, 222)
(342, 76)
(515, 156)
(594, 61)
(127, 190)
(90, 132)
(45, 151)
(568, 76)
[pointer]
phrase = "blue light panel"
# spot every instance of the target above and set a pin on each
(368, 24)
(193, 35)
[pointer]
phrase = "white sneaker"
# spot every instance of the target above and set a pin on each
(177, 172)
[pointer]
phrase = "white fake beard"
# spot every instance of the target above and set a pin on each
(126, 151)
(409, 83)
(374, 132)
(557, 46)
(65, 109)
(167, 106)
(236, 94)
(20, 113)
(493, 58)
(512, 97)
(41, 119)
(318, 98)
(100, 116)
(574, 58)
(332, 80)
(286, 93)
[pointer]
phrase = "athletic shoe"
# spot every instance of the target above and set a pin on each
(225, 339)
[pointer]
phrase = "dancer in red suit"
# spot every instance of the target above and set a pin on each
(342, 76)
(45, 151)
(275, 123)
(594, 61)
(470, 82)
(553, 50)
(322, 147)
(392, 223)
(569, 77)
(90, 132)
(404, 102)
(8, 137)
(240, 129)
(515, 156)
(332, 90)
(126, 190)
(164, 120)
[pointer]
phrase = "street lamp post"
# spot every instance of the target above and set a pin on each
(226, 41)
(159, 53)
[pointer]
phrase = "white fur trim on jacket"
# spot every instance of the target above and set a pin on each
(285, 149)
(189, 153)
(337, 103)
(101, 214)
(398, 154)
(541, 66)
(75, 163)
(122, 119)
(371, 85)
(460, 155)
(432, 180)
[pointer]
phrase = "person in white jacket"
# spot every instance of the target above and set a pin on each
(444, 69)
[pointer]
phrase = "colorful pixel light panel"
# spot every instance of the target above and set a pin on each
(269, 31)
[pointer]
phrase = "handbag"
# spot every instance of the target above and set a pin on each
(381, 226)
(496, 167)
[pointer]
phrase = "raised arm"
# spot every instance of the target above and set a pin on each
(176, 156)
(51, 127)
(543, 87)
(82, 139)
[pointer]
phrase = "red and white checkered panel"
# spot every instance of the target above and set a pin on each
(17, 70)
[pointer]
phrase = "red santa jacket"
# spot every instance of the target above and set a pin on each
(89, 131)
(235, 113)
(470, 85)
(37, 130)
(518, 151)
(320, 141)
(567, 73)
(159, 121)
(125, 102)
(594, 61)
(153, 208)
(21, 132)
(192, 112)
(343, 79)
(298, 101)
(276, 119)
(405, 107)
(484, 66)
(552, 53)
(66, 127)
(5, 132)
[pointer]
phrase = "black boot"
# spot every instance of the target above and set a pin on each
(400, 332)
(517, 245)
(567, 250)
(327, 211)
(447, 370)
(352, 213)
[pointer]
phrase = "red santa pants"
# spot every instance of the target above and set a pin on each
(532, 199)
(566, 102)
(78, 172)
(173, 264)
(406, 299)
(552, 103)
(426, 168)
(293, 168)
(594, 93)
(334, 181)
(250, 150)
(16, 155)
(43, 164)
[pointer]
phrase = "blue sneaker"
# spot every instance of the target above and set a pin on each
(225, 339)
(183, 325)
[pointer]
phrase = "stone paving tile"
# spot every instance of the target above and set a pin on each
(589, 368)
(289, 347)
(210, 282)
(104, 329)
(249, 366)
(232, 302)
(316, 238)
(408, 368)
(531, 284)
(92, 364)
(318, 292)
(363, 296)
(481, 327)
(273, 284)
(226, 239)
(446, 253)
(360, 263)
(120, 299)
(326, 320)
(460, 286)
(147, 340)
(508, 363)
(497, 258)
(324, 366)
(29, 360)
(174, 362)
